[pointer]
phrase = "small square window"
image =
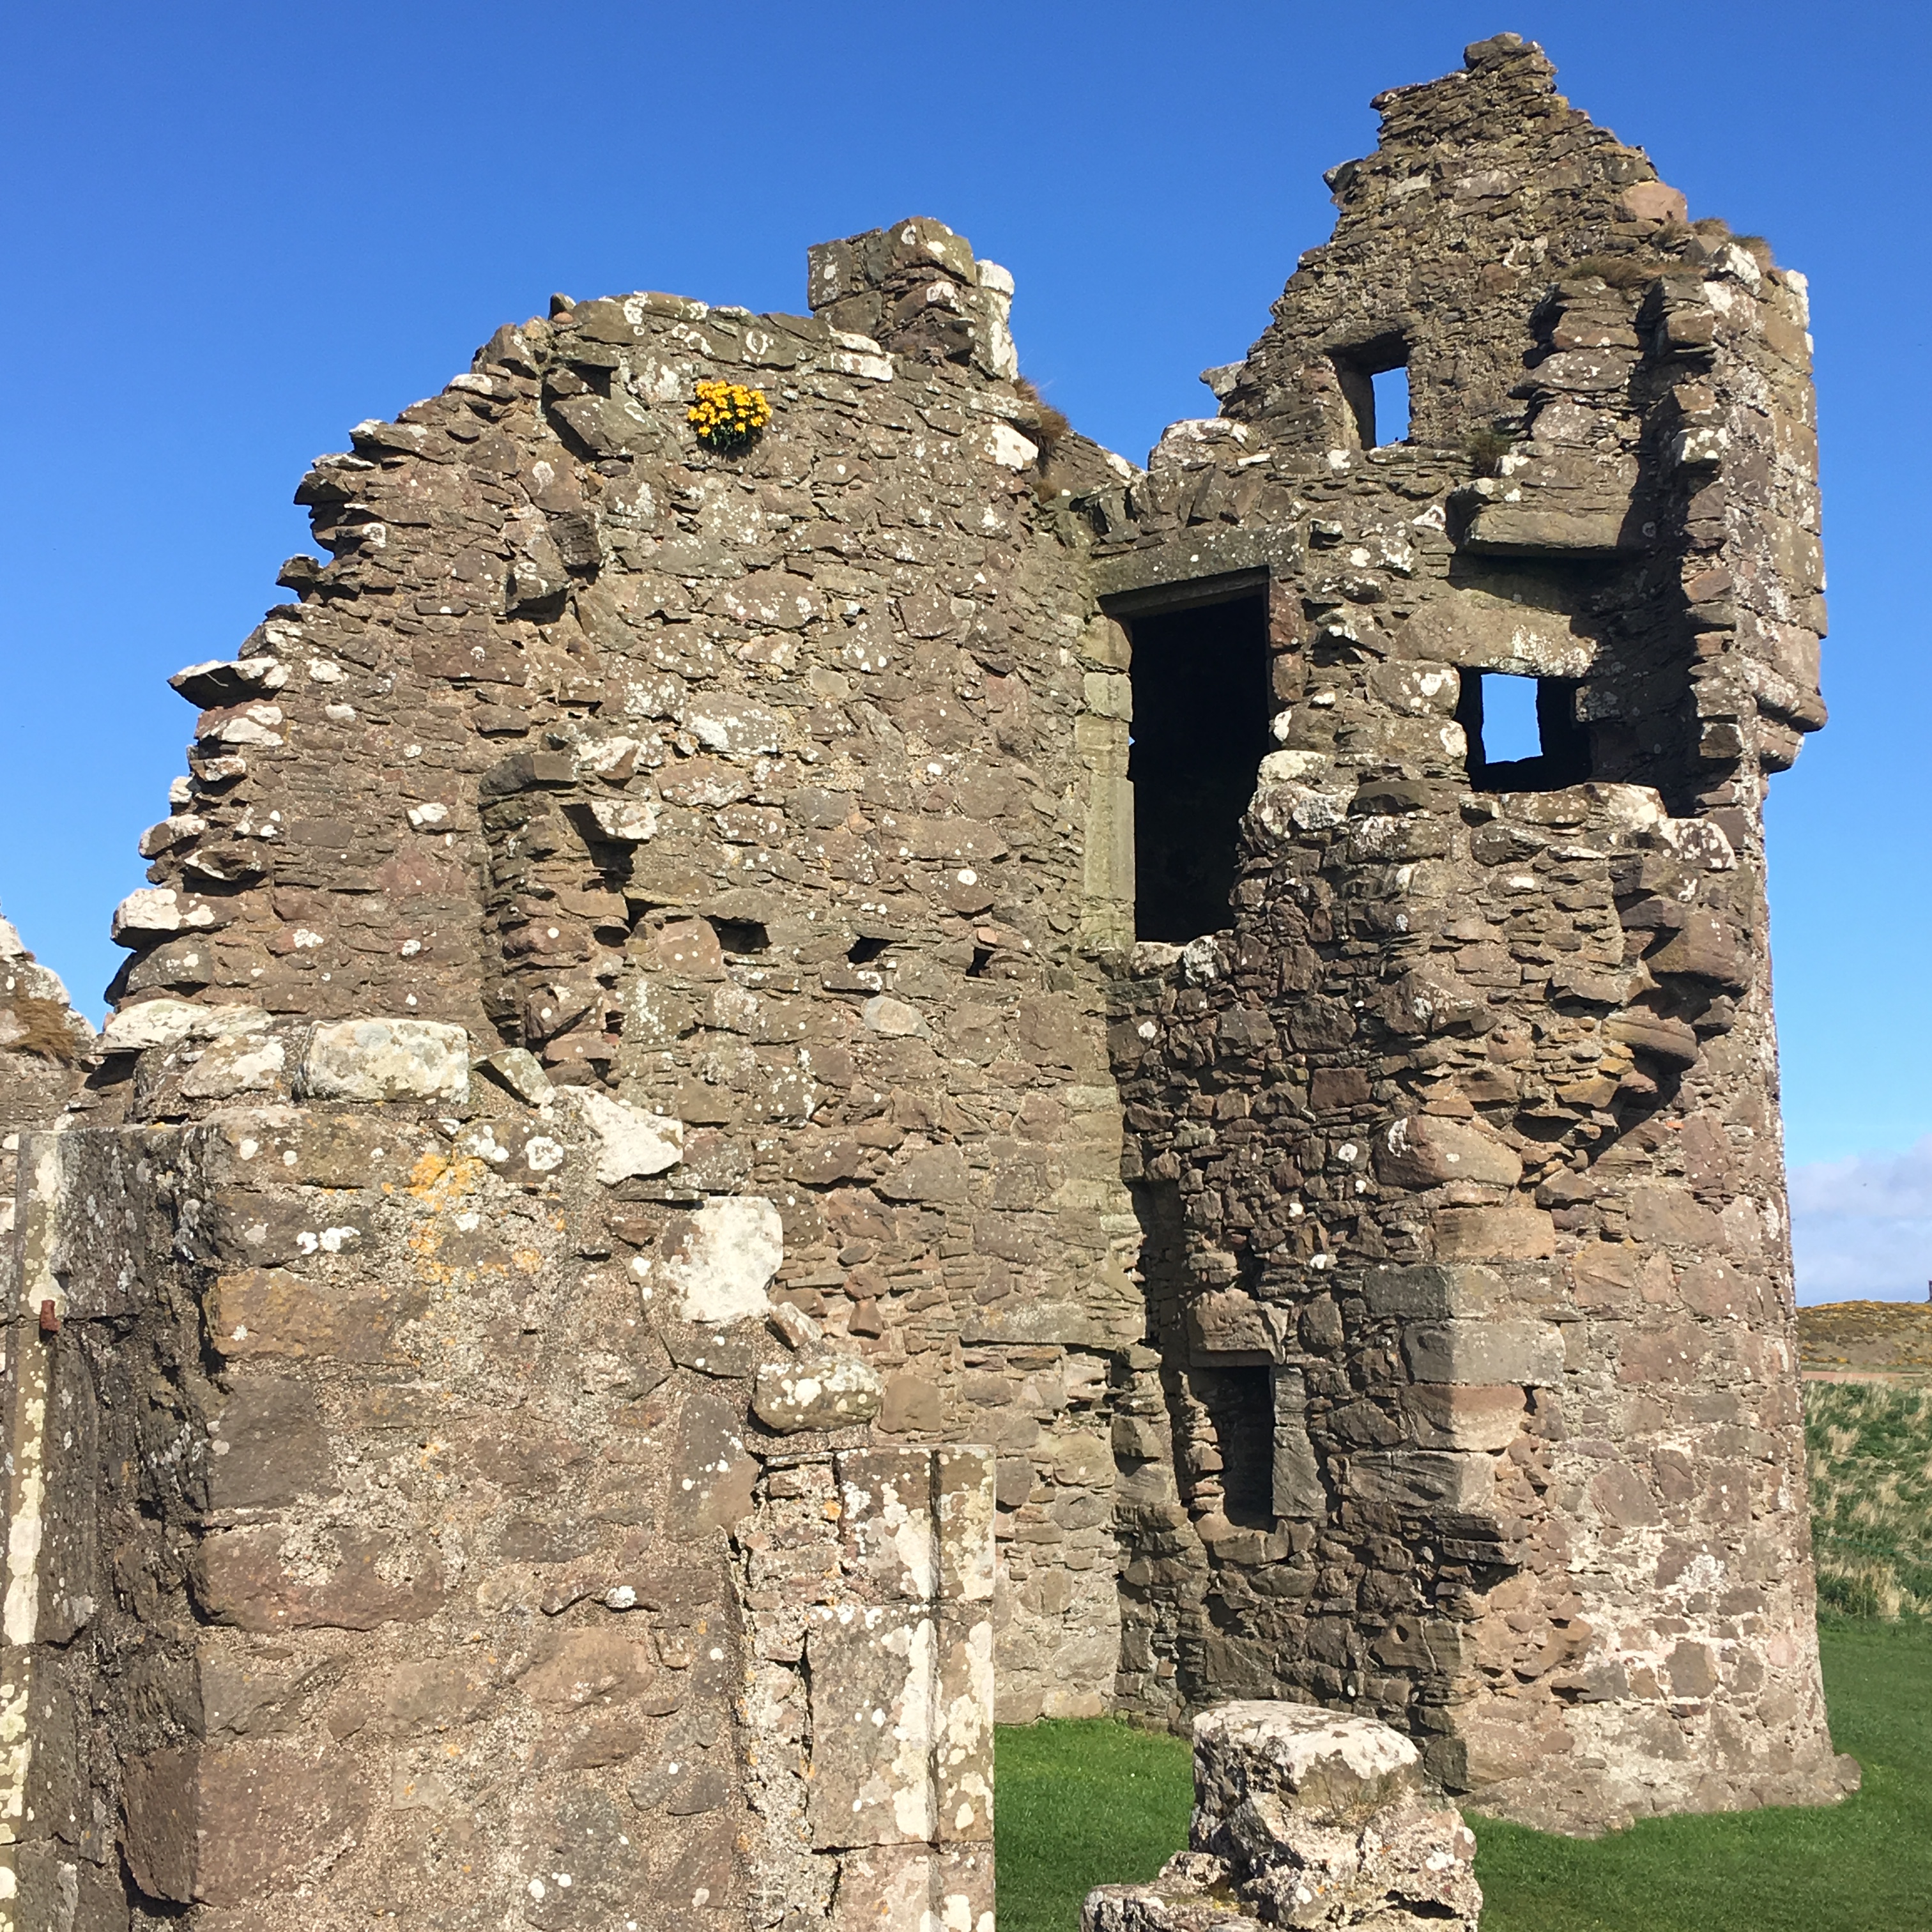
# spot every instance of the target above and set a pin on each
(1522, 732)
(1374, 380)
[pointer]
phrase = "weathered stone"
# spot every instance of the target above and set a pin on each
(1303, 1817)
(631, 1144)
(821, 1391)
(386, 1060)
(1294, 1141)
(519, 1072)
(719, 1260)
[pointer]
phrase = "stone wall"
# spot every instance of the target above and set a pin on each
(634, 1051)
(1458, 1152)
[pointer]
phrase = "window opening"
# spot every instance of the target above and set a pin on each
(1390, 410)
(1374, 379)
(1240, 1402)
(1200, 732)
(1522, 732)
(741, 936)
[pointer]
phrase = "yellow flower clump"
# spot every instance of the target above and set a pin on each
(727, 415)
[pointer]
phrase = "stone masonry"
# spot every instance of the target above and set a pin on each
(769, 1098)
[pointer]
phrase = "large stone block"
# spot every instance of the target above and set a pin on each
(1494, 1234)
(1457, 1482)
(719, 1260)
(1421, 1150)
(386, 1060)
(1478, 1352)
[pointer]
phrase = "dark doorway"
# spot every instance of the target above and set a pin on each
(1504, 761)
(1200, 732)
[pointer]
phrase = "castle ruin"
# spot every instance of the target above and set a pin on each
(767, 1099)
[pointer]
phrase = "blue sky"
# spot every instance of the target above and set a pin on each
(235, 230)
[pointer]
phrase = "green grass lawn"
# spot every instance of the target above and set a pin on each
(1092, 1803)
(1080, 1802)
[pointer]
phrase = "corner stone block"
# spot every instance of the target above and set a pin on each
(1495, 1235)
(918, 1889)
(1529, 1354)
(886, 1499)
(965, 1490)
(874, 1675)
(1432, 1292)
(379, 1059)
(227, 1828)
(1462, 1483)
(963, 1733)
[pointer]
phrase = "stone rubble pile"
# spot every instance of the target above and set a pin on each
(1304, 1818)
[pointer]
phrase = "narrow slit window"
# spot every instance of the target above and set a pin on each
(1200, 731)
(1522, 732)
(1240, 1402)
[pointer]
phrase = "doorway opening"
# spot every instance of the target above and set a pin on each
(1200, 672)
(1522, 732)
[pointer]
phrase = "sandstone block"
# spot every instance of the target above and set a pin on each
(719, 1260)
(228, 1827)
(631, 1144)
(1225, 1322)
(1527, 1353)
(1303, 1817)
(386, 1060)
(1422, 1151)
(231, 1067)
(1652, 201)
(881, 1888)
(519, 1072)
(1458, 1482)
(173, 1022)
(1445, 1417)
(1495, 1235)
(821, 1391)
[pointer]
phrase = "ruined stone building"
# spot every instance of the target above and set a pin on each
(770, 1090)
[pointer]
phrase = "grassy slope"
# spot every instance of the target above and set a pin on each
(1087, 1803)
(1869, 1455)
(1888, 1338)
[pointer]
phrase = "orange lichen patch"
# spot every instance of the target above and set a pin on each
(441, 1182)
(529, 1260)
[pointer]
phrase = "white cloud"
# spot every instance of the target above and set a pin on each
(1861, 1228)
